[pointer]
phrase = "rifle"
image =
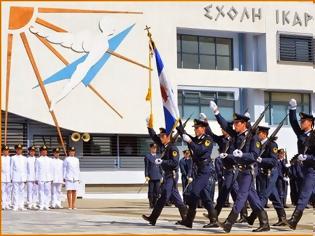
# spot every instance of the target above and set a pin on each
(253, 128)
(272, 136)
(142, 186)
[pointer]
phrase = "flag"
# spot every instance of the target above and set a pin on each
(171, 113)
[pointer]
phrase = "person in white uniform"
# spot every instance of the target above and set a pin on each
(32, 187)
(18, 176)
(43, 176)
(57, 179)
(71, 171)
(6, 186)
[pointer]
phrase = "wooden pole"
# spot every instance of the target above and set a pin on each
(7, 87)
(41, 85)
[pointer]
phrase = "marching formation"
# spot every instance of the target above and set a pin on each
(250, 167)
(36, 182)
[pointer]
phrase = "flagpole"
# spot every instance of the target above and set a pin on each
(149, 94)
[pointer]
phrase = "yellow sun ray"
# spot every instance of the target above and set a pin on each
(7, 87)
(62, 10)
(41, 84)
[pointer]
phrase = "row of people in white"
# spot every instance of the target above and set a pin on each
(44, 177)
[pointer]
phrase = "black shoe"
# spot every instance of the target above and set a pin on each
(263, 222)
(285, 206)
(188, 221)
(213, 217)
(295, 218)
(282, 221)
(149, 219)
(212, 225)
(227, 225)
(251, 218)
(241, 220)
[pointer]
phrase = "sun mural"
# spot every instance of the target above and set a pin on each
(23, 19)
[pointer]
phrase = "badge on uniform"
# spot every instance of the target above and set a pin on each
(207, 143)
(275, 150)
(257, 144)
(174, 153)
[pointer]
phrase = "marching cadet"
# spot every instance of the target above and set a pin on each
(245, 158)
(32, 187)
(185, 165)
(71, 172)
(201, 147)
(306, 149)
(267, 163)
(169, 162)
(283, 180)
(43, 176)
(296, 179)
(57, 166)
(18, 175)
(6, 186)
(153, 175)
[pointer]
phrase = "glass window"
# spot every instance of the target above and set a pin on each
(194, 102)
(51, 141)
(100, 146)
(201, 52)
(279, 105)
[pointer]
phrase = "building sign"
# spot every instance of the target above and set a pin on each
(253, 14)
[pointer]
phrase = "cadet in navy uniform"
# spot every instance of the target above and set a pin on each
(169, 162)
(201, 147)
(153, 175)
(245, 159)
(306, 148)
(268, 165)
(283, 180)
(185, 165)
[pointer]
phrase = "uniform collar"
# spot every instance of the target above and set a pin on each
(308, 132)
(263, 141)
(244, 132)
(201, 136)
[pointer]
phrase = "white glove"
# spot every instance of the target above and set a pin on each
(223, 155)
(287, 165)
(147, 120)
(292, 104)
(147, 178)
(186, 138)
(158, 161)
(259, 159)
(202, 116)
(302, 157)
(214, 107)
(286, 179)
(190, 180)
(237, 153)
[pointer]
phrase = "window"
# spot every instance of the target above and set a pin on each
(113, 145)
(296, 48)
(279, 105)
(191, 103)
(51, 141)
(201, 52)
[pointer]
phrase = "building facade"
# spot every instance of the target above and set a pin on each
(243, 55)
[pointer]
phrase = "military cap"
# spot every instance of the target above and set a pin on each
(263, 129)
(5, 148)
(307, 116)
(240, 117)
(162, 131)
(199, 123)
(153, 145)
(18, 146)
(44, 147)
(32, 148)
(71, 149)
(56, 149)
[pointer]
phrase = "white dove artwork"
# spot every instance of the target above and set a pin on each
(95, 43)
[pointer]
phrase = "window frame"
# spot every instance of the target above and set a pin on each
(180, 52)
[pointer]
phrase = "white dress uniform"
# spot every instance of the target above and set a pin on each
(32, 186)
(6, 185)
(71, 171)
(57, 183)
(18, 176)
(43, 174)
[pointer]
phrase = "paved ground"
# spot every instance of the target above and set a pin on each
(124, 216)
